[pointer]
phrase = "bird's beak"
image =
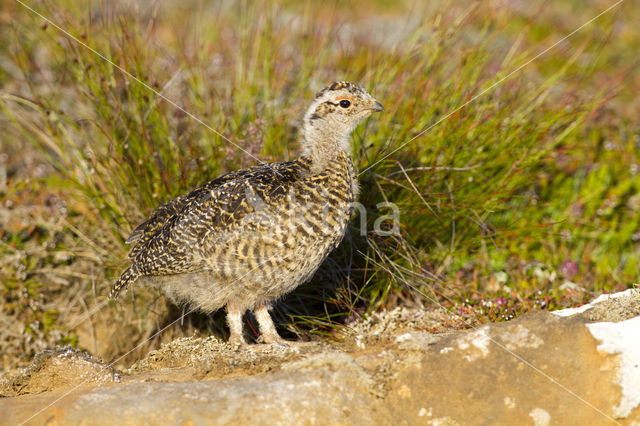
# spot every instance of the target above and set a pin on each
(375, 106)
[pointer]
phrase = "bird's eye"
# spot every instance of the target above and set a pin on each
(345, 103)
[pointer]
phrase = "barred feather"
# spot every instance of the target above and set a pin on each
(250, 236)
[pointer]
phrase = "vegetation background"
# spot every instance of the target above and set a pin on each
(527, 198)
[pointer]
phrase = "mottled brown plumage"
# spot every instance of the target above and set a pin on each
(250, 236)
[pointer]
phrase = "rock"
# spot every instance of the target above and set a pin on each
(622, 338)
(608, 307)
(571, 368)
(56, 368)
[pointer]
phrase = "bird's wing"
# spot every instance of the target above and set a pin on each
(212, 214)
(147, 229)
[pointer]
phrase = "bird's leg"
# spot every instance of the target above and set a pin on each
(234, 321)
(268, 331)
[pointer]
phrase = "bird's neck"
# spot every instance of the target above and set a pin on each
(323, 145)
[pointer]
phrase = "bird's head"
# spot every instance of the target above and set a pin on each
(335, 112)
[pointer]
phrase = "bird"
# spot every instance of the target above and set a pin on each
(245, 239)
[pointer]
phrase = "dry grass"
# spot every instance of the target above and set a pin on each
(525, 199)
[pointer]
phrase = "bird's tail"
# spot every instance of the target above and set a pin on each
(128, 277)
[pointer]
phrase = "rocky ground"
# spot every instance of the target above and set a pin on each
(578, 366)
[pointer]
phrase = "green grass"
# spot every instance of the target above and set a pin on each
(532, 185)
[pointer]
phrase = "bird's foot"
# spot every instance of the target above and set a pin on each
(269, 335)
(237, 341)
(270, 339)
(273, 340)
